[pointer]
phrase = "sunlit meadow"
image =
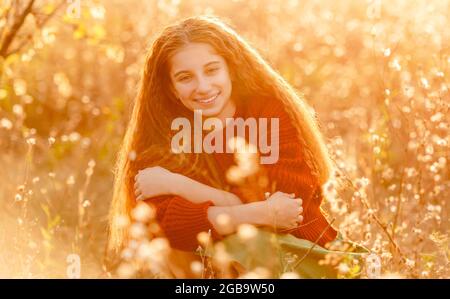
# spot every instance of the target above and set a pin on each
(375, 71)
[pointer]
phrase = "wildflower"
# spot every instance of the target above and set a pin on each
(203, 238)
(247, 232)
(20, 87)
(196, 268)
(51, 140)
(138, 230)
(89, 172)
(410, 263)
(145, 251)
(97, 12)
(425, 83)
(362, 183)
(31, 141)
(74, 136)
(18, 197)
(437, 117)
(18, 110)
(143, 212)
(394, 64)
(343, 268)
(224, 221)
(91, 163)
(6, 123)
(410, 172)
(126, 270)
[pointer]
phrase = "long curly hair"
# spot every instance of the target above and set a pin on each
(148, 133)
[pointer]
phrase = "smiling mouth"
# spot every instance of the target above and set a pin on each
(207, 100)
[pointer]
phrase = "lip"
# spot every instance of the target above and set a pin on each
(208, 100)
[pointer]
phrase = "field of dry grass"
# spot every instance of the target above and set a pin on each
(377, 73)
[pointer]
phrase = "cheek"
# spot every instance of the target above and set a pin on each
(183, 90)
(224, 80)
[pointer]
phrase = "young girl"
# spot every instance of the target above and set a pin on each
(202, 65)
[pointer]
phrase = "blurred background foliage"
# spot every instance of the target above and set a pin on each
(375, 71)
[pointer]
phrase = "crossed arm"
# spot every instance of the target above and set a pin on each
(280, 210)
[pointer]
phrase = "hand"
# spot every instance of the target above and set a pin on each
(284, 211)
(153, 181)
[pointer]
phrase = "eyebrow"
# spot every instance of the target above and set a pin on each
(206, 65)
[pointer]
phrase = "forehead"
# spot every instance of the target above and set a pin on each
(193, 56)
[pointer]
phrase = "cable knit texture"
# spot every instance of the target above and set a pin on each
(181, 220)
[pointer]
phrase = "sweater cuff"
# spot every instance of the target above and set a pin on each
(184, 220)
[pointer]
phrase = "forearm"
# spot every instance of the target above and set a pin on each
(252, 213)
(197, 192)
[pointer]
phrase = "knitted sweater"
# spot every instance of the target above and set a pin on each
(181, 220)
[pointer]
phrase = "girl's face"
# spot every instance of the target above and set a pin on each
(201, 80)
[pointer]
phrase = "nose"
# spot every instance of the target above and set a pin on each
(203, 85)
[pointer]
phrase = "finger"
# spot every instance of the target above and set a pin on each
(300, 210)
(267, 195)
(292, 195)
(300, 201)
(140, 197)
(136, 177)
(300, 219)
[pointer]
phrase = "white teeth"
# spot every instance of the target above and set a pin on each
(208, 100)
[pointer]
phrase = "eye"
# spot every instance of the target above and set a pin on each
(184, 78)
(212, 70)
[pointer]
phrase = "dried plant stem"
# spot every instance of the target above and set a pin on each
(384, 228)
(399, 202)
(314, 245)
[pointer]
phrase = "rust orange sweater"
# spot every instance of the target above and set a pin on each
(181, 220)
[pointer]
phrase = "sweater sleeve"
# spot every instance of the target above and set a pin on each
(182, 220)
(292, 175)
